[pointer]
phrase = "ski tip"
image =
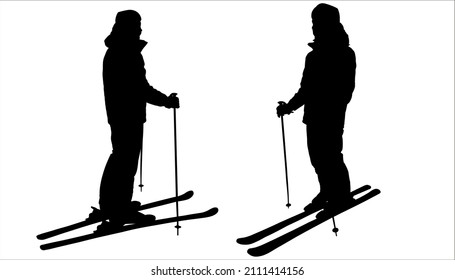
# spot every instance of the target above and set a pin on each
(41, 236)
(255, 253)
(213, 211)
(243, 241)
(44, 247)
(187, 195)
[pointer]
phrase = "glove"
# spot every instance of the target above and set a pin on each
(283, 109)
(172, 101)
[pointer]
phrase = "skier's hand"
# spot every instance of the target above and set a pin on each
(172, 101)
(283, 109)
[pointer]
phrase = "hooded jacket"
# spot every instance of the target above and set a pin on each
(126, 89)
(327, 84)
(328, 79)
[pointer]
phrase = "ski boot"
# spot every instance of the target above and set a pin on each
(118, 219)
(335, 205)
(317, 203)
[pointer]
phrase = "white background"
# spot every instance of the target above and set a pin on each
(230, 62)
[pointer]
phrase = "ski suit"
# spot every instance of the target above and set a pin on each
(326, 88)
(126, 92)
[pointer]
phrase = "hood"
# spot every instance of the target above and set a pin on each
(327, 28)
(126, 31)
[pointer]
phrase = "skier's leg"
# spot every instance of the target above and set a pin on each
(339, 181)
(116, 188)
(325, 146)
(315, 145)
(332, 169)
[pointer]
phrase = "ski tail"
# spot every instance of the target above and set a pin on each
(59, 231)
(270, 230)
(360, 190)
(185, 196)
(91, 221)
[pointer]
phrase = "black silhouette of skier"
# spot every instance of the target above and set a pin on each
(126, 92)
(328, 81)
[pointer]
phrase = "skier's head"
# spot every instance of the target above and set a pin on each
(326, 13)
(128, 22)
(127, 27)
(326, 25)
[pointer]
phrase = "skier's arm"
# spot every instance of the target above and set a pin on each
(298, 100)
(155, 97)
(152, 95)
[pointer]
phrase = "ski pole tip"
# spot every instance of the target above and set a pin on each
(178, 227)
(288, 205)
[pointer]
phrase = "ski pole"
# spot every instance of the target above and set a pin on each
(140, 164)
(285, 159)
(175, 164)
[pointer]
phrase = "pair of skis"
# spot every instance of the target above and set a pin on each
(277, 242)
(97, 218)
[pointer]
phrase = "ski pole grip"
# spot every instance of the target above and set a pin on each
(171, 97)
(280, 114)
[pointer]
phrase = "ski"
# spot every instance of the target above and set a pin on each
(206, 214)
(270, 230)
(97, 218)
(283, 239)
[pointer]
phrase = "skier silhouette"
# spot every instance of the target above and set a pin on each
(126, 92)
(327, 84)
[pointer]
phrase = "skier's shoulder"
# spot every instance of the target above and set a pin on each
(350, 56)
(312, 55)
(350, 52)
(345, 54)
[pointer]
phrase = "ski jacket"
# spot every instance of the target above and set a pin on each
(126, 89)
(327, 84)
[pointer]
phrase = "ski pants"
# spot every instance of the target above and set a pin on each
(117, 183)
(325, 145)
